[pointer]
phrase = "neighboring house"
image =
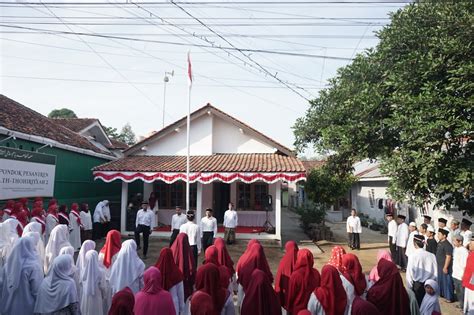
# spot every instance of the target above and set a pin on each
(230, 162)
(297, 195)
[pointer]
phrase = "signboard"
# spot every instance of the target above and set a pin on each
(26, 174)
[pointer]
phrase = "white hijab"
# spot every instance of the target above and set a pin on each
(36, 238)
(127, 268)
(58, 239)
(8, 236)
(430, 303)
(81, 257)
(91, 274)
(36, 227)
(58, 289)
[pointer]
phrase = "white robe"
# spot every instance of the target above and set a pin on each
(81, 263)
(177, 293)
(8, 236)
(51, 222)
(108, 290)
(93, 285)
(59, 238)
(75, 234)
(410, 244)
(421, 266)
(36, 227)
(128, 269)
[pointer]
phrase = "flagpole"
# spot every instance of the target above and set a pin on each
(188, 127)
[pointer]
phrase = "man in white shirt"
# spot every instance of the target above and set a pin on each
(466, 232)
(401, 242)
(99, 221)
(427, 219)
(107, 216)
(230, 223)
(194, 235)
(410, 245)
(460, 254)
(177, 220)
(421, 266)
(208, 229)
(144, 224)
(392, 235)
(354, 228)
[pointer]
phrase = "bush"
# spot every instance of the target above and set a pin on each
(311, 213)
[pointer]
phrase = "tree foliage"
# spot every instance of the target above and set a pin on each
(112, 132)
(408, 103)
(126, 134)
(62, 113)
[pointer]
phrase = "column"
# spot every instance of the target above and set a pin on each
(147, 190)
(199, 202)
(277, 202)
(123, 207)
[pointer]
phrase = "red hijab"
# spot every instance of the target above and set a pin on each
(389, 294)
(170, 273)
(303, 281)
(183, 257)
(53, 209)
(208, 280)
(243, 258)
(21, 217)
(286, 267)
(260, 298)
(24, 204)
(9, 206)
(469, 272)
(122, 302)
(336, 258)
(37, 212)
(201, 304)
(256, 260)
(331, 293)
(354, 273)
(75, 213)
(304, 312)
(362, 307)
(225, 276)
(223, 256)
(113, 243)
(152, 297)
(210, 256)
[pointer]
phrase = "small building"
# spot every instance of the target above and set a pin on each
(230, 162)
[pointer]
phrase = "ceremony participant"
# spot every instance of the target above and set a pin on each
(51, 219)
(460, 254)
(441, 225)
(455, 229)
(427, 219)
(177, 220)
(431, 244)
(63, 217)
(430, 304)
(362, 307)
(172, 279)
(152, 299)
(123, 302)
(7, 209)
(336, 258)
(423, 229)
(260, 298)
(37, 217)
(57, 293)
(414, 305)
(20, 216)
(444, 258)
(285, 269)
(392, 235)
(210, 256)
(410, 244)
(184, 259)
(208, 229)
(21, 279)
(93, 286)
(421, 267)
(191, 229)
(86, 220)
(108, 253)
(223, 256)
(354, 229)
(201, 304)
(468, 281)
(401, 242)
(76, 227)
(466, 232)
(144, 225)
(100, 220)
(303, 281)
(35, 227)
(8, 237)
(374, 274)
(88, 245)
(389, 294)
(36, 238)
(353, 273)
(127, 271)
(153, 203)
(59, 238)
(330, 297)
(230, 223)
(244, 256)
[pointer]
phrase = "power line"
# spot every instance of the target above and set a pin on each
(108, 17)
(196, 24)
(88, 3)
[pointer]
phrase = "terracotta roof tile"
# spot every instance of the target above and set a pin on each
(75, 124)
(310, 165)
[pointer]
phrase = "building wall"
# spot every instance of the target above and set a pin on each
(365, 196)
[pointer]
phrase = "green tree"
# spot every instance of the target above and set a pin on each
(408, 103)
(112, 132)
(127, 135)
(62, 113)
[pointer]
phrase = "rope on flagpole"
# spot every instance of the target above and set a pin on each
(188, 127)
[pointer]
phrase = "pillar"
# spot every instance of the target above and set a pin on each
(123, 208)
(147, 190)
(277, 202)
(199, 202)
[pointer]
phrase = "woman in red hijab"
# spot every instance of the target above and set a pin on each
(208, 280)
(122, 302)
(7, 210)
(223, 256)
(336, 258)
(183, 257)
(330, 298)
(152, 298)
(362, 307)
(37, 216)
(382, 254)
(24, 204)
(201, 304)
(210, 255)
(172, 278)
(303, 281)
(389, 294)
(353, 273)
(260, 298)
(20, 215)
(113, 243)
(245, 254)
(63, 217)
(286, 267)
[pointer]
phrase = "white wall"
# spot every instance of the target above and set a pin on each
(360, 197)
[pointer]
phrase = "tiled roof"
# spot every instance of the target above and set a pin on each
(75, 124)
(311, 165)
(253, 162)
(118, 144)
(17, 117)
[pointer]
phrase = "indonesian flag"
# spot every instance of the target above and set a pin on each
(190, 71)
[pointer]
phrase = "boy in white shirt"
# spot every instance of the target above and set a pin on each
(460, 254)
(230, 223)
(354, 229)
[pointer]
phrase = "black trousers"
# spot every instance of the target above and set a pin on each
(354, 240)
(207, 240)
(105, 229)
(194, 249)
(97, 231)
(419, 289)
(145, 229)
(174, 235)
(393, 248)
(401, 257)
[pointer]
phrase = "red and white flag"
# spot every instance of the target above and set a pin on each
(190, 71)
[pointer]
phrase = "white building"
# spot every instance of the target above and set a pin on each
(230, 162)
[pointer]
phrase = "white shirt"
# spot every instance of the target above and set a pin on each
(98, 213)
(209, 225)
(459, 261)
(353, 225)
(230, 219)
(467, 237)
(145, 218)
(86, 220)
(421, 266)
(402, 235)
(192, 230)
(392, 230)
(106, 212)
(177, 221)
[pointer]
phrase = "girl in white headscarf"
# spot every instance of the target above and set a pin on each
(8, 236)
(430, 303)
(81, 263)
(93, 286)
(36, 237)
(21, 279)
(127, 271)
(58, 239)
(57, 294)
(36, 227)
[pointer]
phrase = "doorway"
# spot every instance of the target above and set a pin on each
(220, 200)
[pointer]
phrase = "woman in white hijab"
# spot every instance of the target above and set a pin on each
(57, 294)
(93, 286)
(8, 236)
(21, 279)
(127, 271)
(58, 239)
(430, 303)
(36, 238)
(36, 227)
(81, 263)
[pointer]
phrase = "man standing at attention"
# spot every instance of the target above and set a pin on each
(230, 223)
(431, 244)
(99, 221)
(208, 229)
(194, 235)
(354, 229)
(466, 231)
(427, 219)
(441, 225)
(177, 220)
(460, 254)
(401, 241)
(144, 224)
(410, 244)
(392, 233)
(444, 258)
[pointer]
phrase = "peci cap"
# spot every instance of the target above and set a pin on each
(430, 229)
(427, 217)
(444, 231)
(466, 221)
(412, 224)
(455, 222)
(419, 237)
(442, 220)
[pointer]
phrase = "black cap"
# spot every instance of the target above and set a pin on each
(443, 231)
(209, 209)
(466, 221)
(442, 220)
(144, 202)
(401, 216)
(419, 237)
(427, 217)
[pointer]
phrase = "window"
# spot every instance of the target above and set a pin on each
(162, 192)
(243, 196)
(177, 194)
(260, 196)
(172, 195)
(252, 196)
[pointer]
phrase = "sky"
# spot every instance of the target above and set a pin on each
(259, 61)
